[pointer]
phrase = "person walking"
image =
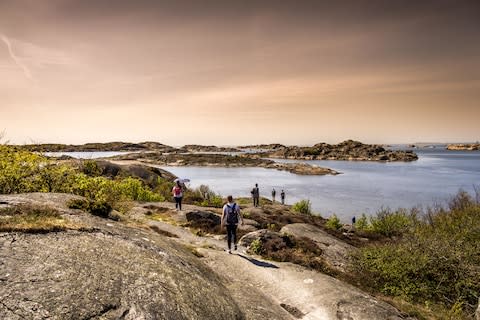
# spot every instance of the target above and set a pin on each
(256, 195)
(231, 216)
(177, 192)
(282, 196)
(273, 195)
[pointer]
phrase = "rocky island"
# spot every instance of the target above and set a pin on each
(348, 150)
(464, 147)
(221, 160)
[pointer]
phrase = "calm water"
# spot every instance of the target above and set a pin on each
(364, 187)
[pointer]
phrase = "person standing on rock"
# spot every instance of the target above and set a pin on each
(282, 196)
(177, 192)
(231, 216)
(256, 195)
(274, 193)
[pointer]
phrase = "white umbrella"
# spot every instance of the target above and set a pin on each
(181, 180)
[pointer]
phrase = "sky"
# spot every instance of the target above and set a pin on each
(239, 72)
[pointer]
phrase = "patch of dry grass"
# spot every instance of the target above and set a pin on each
(34, 219)
(163, 232)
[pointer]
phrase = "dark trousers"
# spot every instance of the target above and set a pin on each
(178, 203)
(231, 234)
(255, 201)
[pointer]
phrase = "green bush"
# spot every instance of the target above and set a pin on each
(203, 196)
(435, 262)
(256, 246)
(303, 206)
(333, 222)
(362, 223)
(392, 223)
(91, 168)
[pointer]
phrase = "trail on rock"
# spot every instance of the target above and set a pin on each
(278, 290)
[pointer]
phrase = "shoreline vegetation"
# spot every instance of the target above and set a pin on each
(426, 264)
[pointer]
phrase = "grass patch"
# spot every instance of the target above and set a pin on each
(34, 219)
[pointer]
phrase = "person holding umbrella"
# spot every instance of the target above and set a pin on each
(177, 192)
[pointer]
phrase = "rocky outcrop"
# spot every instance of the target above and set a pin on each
(335, 252)
(147, 174)
(347, 150)
(464, 147)
(105, 271)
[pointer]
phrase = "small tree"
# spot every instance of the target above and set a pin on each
(333, 222)
(303, 206)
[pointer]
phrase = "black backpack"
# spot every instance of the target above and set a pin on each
(232, 216)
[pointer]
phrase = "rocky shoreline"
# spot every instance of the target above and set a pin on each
(222, 160)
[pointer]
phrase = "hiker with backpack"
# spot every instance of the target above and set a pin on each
(177, 192)
(282, 196)
(231, 216)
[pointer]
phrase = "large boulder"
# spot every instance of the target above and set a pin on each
(105, 270)
(207, 217)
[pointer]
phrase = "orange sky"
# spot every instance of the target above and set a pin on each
(236, 72)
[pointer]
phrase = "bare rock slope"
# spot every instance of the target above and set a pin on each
(106, 271)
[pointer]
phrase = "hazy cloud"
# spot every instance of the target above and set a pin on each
(16, 60)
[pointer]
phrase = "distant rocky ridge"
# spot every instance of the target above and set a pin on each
(464, 147)
(347, 150)
(272, 146)
(89, 147)
(200, 148)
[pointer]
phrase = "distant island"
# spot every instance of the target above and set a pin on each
(348, 150)
(464, 147)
